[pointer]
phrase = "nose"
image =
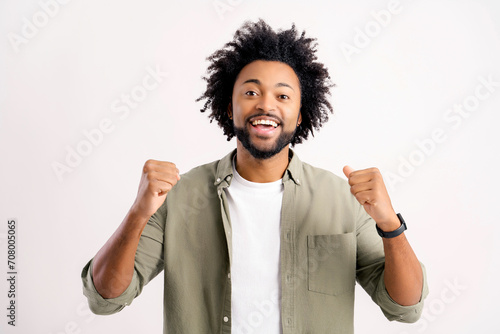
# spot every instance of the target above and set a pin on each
(266, 103)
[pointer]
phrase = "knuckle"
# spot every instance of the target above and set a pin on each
(148, 165)
(169, 164)
(373, 176)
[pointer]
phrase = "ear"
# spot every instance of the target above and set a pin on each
(299, 119)
(230, 110)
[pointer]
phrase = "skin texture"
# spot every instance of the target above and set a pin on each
(403, 274)
(263, 90)
(257, 40)
(113, 266)
(270, 89)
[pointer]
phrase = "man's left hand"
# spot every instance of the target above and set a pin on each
(369, 189)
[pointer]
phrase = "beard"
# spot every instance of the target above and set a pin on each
(243, 135)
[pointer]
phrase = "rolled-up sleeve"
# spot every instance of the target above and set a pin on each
(370, 273)
(148, 263)
(394, 311)
(105, 306)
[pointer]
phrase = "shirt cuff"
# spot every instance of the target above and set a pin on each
(394, 311)
(106, 306)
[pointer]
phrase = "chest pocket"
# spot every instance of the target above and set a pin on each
(331, 263)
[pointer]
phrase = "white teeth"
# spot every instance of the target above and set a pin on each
(265, 122)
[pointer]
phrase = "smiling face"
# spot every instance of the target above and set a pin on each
(265, 107)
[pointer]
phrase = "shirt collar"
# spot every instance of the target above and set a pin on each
(294, 169)
(224, 173)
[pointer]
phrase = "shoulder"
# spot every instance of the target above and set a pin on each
(319, 177)
(323, 185)
(210, 173)
(195, 189)
(202, 179)
(324, 192)
(202, 173)
(311, 176)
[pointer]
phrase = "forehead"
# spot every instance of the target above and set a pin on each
(268, 72)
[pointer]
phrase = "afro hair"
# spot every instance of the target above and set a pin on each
(257, 41)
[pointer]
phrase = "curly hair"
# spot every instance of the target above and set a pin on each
(257, 41)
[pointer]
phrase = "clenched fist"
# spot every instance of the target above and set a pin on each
(158, 178)
(369, 189)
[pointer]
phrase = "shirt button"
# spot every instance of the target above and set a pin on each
(229, 275)
(226, 319)
(218, 179)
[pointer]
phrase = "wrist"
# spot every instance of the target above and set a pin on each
(390, 224)
(392, 232)
(141, 210)
(137, 218)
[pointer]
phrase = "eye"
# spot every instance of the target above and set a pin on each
(250, 93)
(283, 97)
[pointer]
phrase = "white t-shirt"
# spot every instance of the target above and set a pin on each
(255, 213)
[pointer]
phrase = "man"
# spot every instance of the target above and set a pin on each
(260, 242)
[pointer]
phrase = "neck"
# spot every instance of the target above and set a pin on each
(258, 170)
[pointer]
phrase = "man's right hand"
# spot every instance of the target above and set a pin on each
(158, 178)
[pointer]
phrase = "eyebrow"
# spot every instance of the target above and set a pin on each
(279, 84)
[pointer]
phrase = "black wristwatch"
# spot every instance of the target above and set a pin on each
(394, 233)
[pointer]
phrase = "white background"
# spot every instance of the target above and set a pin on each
(64, 77)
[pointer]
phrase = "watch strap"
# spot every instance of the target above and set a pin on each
(394, 233)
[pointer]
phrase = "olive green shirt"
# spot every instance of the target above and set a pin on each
(328, 242)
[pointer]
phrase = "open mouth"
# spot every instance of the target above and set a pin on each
(265, 124)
